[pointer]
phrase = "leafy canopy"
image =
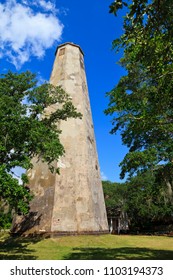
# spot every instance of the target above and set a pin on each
(143, 200)
(115, 197)
(147, 203)
(142, 102)
(27, 131)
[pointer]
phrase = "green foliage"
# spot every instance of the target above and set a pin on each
(116, 5)
(147, 203)
(115, 197)
(141, 102)
(12, 194)
(5, 220)
(27, 130)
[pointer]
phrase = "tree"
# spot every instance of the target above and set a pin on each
(27, 131)
(115, 197)
(142, 199)
(141, 102)
(147, 204)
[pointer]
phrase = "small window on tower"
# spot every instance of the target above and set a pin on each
(62, 51)
(82, 63)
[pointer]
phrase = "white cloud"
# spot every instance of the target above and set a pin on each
(41, 80)
(103, 176)
(44, 4)
(27, 29)
(47, 5)
(17, 172)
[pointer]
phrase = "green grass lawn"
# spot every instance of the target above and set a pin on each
(103, 247)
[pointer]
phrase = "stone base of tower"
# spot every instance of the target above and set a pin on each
(28, 226)
(56, 211)
(58, 233)
(31, 225)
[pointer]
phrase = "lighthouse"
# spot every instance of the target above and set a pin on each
(71, 202)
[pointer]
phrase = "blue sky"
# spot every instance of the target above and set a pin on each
(30, 31)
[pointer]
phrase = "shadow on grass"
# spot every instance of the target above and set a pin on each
(17, 248)
(124, 253)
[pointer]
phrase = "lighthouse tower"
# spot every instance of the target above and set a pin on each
(72, 202)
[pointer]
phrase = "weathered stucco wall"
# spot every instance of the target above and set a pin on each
(73, 201)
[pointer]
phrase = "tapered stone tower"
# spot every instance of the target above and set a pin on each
(72, 202)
